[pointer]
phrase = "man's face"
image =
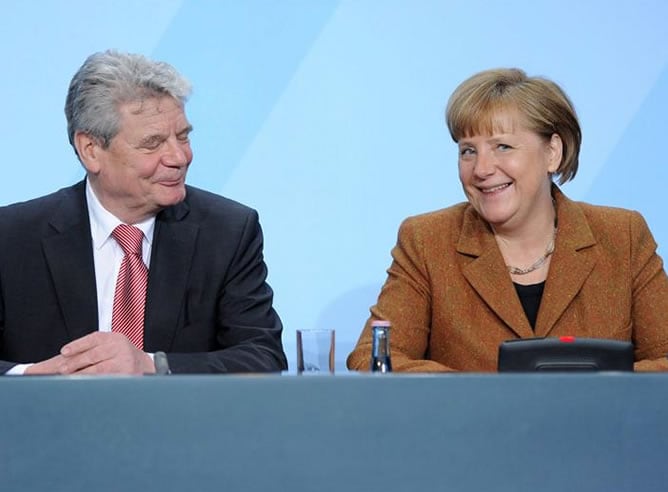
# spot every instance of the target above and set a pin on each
(144, 168)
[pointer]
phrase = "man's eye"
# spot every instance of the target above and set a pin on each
(151, 144)
(184, 135)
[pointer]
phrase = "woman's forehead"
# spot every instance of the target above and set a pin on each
(493, 121)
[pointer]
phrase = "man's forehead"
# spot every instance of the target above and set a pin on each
(150, 106)
(155, 115)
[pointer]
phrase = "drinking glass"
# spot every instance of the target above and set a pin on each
(315, 352)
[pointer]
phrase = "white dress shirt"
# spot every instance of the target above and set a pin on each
(108, 254)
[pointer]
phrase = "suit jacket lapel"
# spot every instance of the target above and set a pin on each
(171, 259)
(487, 273)
(572, 262)
(69, 256)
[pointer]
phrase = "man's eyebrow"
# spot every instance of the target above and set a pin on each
(157, 138)
(152, 139)
(186, 130)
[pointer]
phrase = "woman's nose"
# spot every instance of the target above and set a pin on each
(484, 164)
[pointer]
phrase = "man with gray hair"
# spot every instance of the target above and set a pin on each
(131, 271)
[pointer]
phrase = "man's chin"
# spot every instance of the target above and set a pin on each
(171, 195)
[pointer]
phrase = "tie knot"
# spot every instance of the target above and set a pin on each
(130, 238)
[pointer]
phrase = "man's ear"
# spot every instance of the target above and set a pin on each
(89, 150)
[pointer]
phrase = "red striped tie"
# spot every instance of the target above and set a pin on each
(130, 297)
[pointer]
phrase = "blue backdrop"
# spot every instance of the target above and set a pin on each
(327, 116)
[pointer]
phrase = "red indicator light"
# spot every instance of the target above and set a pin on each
(567, 339)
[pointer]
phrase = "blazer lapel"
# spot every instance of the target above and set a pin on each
(572, 262)
(69, 256)
(171, 259)
(487, 274)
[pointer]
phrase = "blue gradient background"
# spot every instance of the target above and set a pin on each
(327, 116)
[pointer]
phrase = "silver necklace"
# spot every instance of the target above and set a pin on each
(539, 262)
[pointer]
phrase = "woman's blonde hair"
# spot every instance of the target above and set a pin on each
(543, 106)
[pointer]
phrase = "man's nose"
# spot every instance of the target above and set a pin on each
(177, 153)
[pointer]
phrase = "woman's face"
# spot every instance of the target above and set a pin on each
(506, 175)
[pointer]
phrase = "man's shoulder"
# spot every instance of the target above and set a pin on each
(205, 206)
(41, 207)
(198, 197)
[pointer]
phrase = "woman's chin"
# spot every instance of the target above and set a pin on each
(495, 217)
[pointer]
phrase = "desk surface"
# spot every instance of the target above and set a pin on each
(519, 432)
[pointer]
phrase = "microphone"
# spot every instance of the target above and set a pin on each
(161, 363)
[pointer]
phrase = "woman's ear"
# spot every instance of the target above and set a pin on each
(555, 150)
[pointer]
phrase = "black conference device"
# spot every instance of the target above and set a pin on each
(565, 354)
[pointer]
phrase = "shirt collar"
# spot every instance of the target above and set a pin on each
(103, 222)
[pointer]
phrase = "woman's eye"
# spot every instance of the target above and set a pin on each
(466, 151)
(504, 147)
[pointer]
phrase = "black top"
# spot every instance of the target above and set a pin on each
(530, 296)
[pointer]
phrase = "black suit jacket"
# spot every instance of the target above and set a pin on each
(208, 304)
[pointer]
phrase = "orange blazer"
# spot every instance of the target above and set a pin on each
(451, 300)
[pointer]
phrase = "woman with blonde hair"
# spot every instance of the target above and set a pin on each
(519, 259)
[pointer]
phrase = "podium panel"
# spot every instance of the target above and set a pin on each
(461, 432)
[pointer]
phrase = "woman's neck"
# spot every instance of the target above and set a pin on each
(527, 250)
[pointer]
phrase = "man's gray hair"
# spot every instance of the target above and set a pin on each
(109, 79)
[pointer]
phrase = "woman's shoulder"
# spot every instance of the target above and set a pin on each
(606, 217)
(435, 228)
(614, 227)
(438, 218)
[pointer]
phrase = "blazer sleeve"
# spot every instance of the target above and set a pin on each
(248, 326)
(4, 365)
(650, 299)
(405, 301)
